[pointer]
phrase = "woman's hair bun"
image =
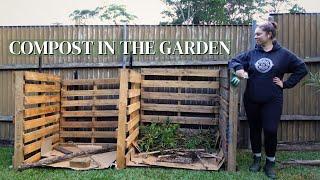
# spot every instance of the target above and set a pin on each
(274, 24)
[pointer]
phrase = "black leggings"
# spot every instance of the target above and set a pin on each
(264, 116)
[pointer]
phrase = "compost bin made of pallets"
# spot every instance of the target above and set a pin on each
(135, 93)
(48, 107)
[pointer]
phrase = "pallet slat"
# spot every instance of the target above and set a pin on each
(181, 84)
(90, 81)
(90, 92)
(107, 113)
(41, 99)
(29, 88)
(41, 110)
(89, 124)
(132, 137)
(35, 76)
(179, 108)
(180, 119)
(134, 93)
(134, 121)
(134, 77)
(40, 133)
(179, 96)
(33, 158)
(133, 107)
(88, 134)
(37, 145)
(180, 72)
(34, 123)
(96, 102)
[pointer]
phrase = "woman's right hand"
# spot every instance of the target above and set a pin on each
(242, 74)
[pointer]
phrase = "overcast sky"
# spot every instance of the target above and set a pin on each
(45, 12)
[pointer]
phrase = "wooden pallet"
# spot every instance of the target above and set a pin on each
(129, 115)
(89, 110)
(184, 96)
(37, 107)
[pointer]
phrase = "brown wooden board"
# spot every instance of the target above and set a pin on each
(180, 72)
(180, 119)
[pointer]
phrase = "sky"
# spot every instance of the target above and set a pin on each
(45, 12)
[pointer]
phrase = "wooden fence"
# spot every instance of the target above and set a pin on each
(37, 107)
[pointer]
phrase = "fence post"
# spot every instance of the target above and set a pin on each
(232, 127)
(18, 156)
(122, 119)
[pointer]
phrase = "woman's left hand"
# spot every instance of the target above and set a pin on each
(278, 81)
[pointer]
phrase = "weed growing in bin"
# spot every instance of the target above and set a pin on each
(159, 136)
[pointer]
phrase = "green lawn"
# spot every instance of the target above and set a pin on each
(244, 159)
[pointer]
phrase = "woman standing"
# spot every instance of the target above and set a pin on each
(263, 98)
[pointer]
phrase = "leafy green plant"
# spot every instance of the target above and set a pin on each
(314, 81)
(158, 136)
(166, 135)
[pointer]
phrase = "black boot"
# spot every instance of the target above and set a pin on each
(255, 166)
(269, 169)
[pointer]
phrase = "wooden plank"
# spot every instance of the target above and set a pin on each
(104, 134)
(133, 107)
(180, 72)
(41, 88)
(37, 145)
(96, 102)
(180, 119)
(18, 157)
(181, 84)
(179, 108)
(41, 110)
(35, 76)
(90, 81)
(40, 133)
(132, 137)
(129, 154)
(102, 113)
(133, 122)
(179, 96)
(134, 76)
(292, 118)
(224, 105)
(88, 124)
(41, 99)
(122, 119)
(77, 82)
(107, 81)
(34, 123)
(88, 134)
(105, 92)
(232, 129)
(33, 158)
(134, 93)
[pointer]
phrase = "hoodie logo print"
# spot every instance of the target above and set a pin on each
(263, 65)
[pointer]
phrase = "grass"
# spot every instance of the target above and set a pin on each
(243, 159)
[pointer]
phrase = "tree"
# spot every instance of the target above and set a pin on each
(116, 14)
(297, 9)
(224, 11)
(195, 11)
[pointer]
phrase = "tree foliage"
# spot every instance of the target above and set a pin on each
(114, 14)
(224, 11)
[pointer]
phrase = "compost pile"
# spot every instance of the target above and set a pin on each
(167, 144)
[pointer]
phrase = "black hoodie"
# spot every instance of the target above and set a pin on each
(263, 66)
